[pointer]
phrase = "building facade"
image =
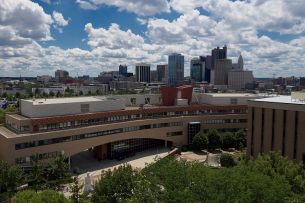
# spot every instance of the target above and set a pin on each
(162, 73)
(239, 78)
(175, 69)
(122, 69)
(276, 124)
(219, 75)
(218, 54)
(142, 72)
(241, 63)
(44, 78)
(197, 70)
(153, 75)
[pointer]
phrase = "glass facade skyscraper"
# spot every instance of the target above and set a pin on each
(175, 69)
(197, 70)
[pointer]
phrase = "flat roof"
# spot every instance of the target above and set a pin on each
(232, 94)
(279, 99)
(62, 100)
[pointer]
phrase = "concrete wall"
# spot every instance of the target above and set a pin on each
(140, 98)
(39, 110)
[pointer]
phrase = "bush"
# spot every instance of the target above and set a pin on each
(3, 196)
(178, 151)
(184, 149)
(227, 160)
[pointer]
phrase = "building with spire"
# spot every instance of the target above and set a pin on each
(240, 63)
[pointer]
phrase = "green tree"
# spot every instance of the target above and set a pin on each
(240, 137)
(214, 137)
(4, 94)
(37, 175)
(228, 139)
(44, 94)
(58, 94)
(115, 185)
(37, 91)
(17, 94)
(10, 84)
(76, 190)
(97, 91)
(89, 92)
(67, 89)
(47, 196)
(9, 109)
(59, 166)
(10, 177)
(51, 93)
(200, 141)
(81, 92)
(31, 94)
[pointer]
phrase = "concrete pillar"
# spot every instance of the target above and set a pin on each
(165, 143)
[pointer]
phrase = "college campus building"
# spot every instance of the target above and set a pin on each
(119, 123)
(276, 123)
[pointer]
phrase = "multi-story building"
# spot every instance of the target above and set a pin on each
(91, 88)
(153, 75)
(219, 75)
(175, 69)
(239, 78)
(44, 78)
(71, 125)
(86, 77)
(275, 124)
(61, 73)
(142, 72)
(241, 63)
(122, 69)
(218, 54)
(197, 70)
(54, 89)
(162, 73)
(105, 77)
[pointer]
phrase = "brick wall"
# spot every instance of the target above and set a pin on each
(100, 151)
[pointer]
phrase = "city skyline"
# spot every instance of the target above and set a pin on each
(89, 37)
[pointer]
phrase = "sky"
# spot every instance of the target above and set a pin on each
(86, 37)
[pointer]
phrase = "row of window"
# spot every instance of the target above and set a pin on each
(96, 134)
(19, 128)
(225, 121)
(174, 134)
(223, 130)
(41, 156)
(135, 116)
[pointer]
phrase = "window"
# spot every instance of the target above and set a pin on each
(233, 101)
(84, 108)
(133, 101)
(147, 100)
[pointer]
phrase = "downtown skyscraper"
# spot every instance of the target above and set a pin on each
(175, 69)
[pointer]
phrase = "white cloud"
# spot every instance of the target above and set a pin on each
(142, 21)
(46, 1)
(59, 19)
(86, 5)
(83, 39)
(57, 28)
(140, 7)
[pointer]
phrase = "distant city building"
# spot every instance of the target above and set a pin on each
(104, 77)
(47, 90)
(127, 75)
(122, 69)
(239, 78)
(162, 73)
(142, 72)
(219, 75)
(175, 68)
(208, 66)
(61, 73)
(44, 78)
(86, 77)
(154, 75)
(197, 70)
(302, 81)
(241, 63)
(218, 54)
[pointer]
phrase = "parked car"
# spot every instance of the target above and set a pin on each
(130, 154)
(120, 156)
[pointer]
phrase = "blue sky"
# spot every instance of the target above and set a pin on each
(90, 36)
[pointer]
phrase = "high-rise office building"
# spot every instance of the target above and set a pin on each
(208, 66)
(142, 72)
(122, 69)
(235, 66)
(218, 54)
(175, 68)
(197, 70)
(153, 75)
(219, 75)
(241, 63)
(61, 73)
(162, 72)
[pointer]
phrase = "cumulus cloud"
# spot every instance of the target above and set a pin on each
(142, 21)
(57, 28)
(59, 19)
(46, 1)
(140, 7)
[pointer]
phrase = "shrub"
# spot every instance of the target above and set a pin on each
(179, 151)
(227, 160)
(3, 196)
(184, 149)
